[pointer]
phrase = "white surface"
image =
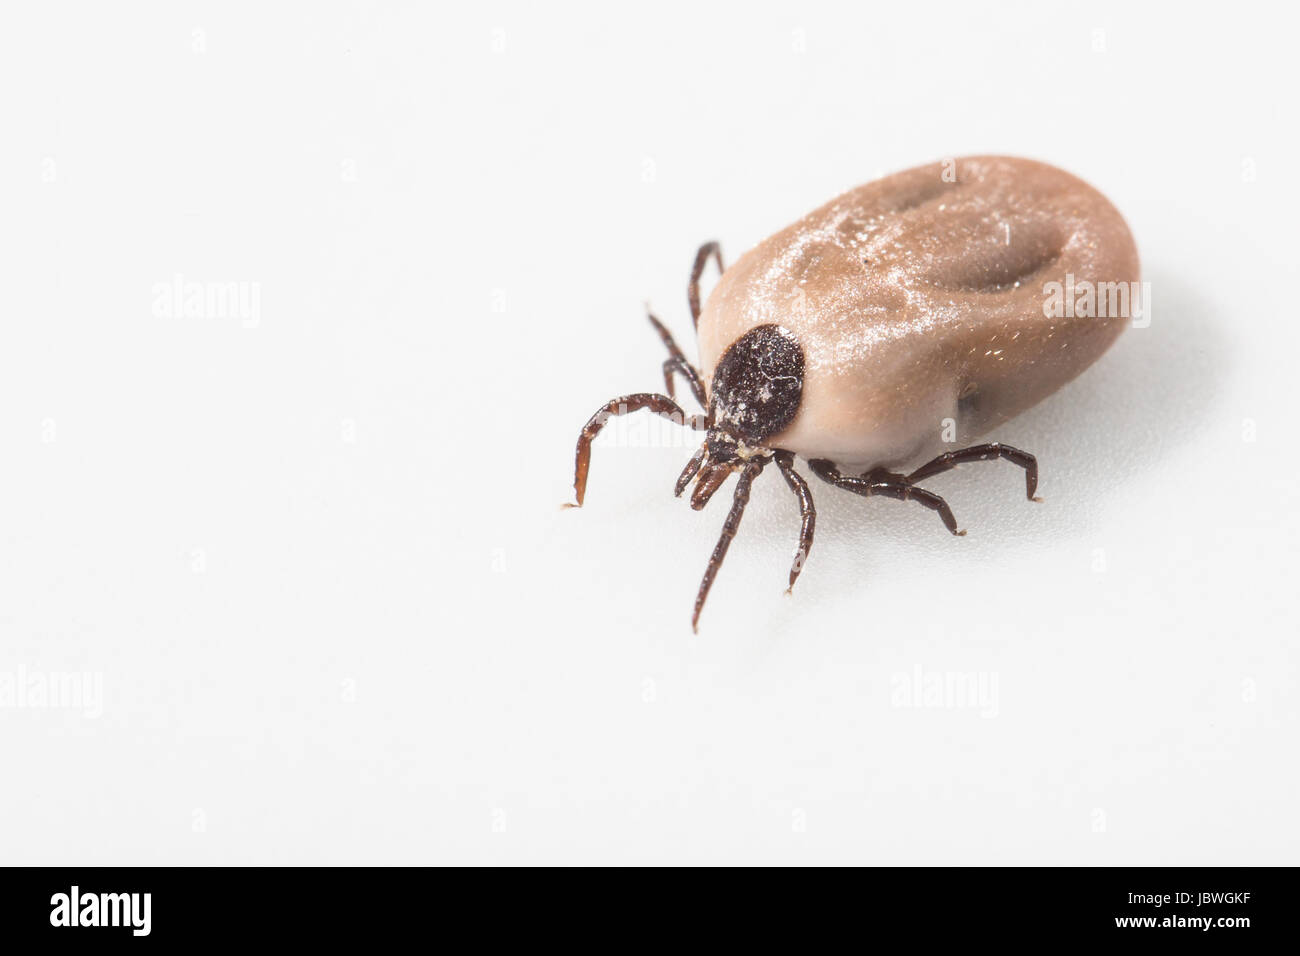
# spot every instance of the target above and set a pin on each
(318, 566)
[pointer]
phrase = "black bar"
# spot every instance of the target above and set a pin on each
(371, 906)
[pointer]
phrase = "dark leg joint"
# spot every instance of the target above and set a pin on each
(990, 451)
(888, 485)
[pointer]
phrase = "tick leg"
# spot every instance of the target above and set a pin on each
(687, 371)
(747, 475)
(887, 485)
(677, 363)
(701, 259)
(661, 405)
(807, 512)
(990, 451)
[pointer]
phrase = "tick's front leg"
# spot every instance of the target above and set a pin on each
(661, 405)
(676, 363)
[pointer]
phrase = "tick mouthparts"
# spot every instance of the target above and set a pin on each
(709, 480)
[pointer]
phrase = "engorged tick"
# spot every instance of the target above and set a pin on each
(860, 371)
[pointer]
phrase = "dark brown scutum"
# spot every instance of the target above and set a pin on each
(758, 384)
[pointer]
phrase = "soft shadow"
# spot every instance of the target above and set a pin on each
(1145, 399)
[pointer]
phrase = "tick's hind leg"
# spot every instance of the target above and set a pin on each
(677, 363)
(888, 485)
(990, 451)
(701, 260)
(661, 405)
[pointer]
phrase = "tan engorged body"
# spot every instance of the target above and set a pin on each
(919, 298)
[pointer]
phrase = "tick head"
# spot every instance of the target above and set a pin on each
(757, 386)
(755, 393)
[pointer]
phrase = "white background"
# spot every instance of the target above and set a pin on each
(315, 559)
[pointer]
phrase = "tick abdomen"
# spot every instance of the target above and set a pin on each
(924, 297)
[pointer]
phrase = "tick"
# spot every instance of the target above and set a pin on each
(939, 301)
